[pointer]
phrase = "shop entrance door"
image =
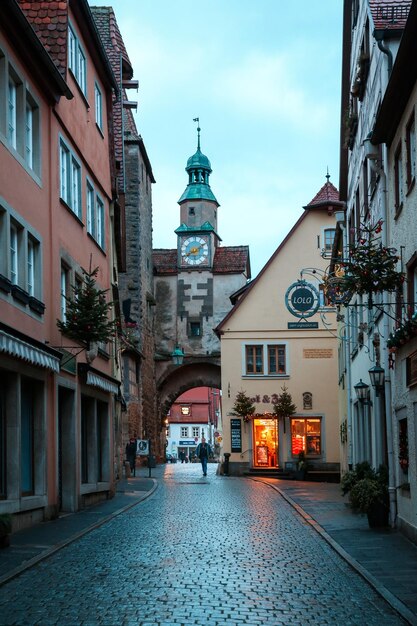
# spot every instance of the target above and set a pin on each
(265, 438)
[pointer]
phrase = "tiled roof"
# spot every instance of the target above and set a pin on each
(165, 261)
(227, 260)
(231, 260)
(49, 19)
(327, 194)
(389, 14)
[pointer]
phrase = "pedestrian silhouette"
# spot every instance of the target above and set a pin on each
(203, 452)
(131, 454)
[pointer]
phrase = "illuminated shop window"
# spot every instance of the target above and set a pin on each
(306, 436)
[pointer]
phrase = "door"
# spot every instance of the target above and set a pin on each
(265, 439)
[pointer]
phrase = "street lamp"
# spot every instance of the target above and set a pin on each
(177, 355)
(377, 377)
(362, 390)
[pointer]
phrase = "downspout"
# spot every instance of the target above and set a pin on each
(379, 37)
(388, 391)
(348, 371)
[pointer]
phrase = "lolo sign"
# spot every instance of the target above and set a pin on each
(302, 299)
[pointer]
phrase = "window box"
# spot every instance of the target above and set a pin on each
(20, 294)
(5, 284)
(36, 305)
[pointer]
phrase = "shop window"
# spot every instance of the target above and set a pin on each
(27, 440)
(3, 493)
(266, 442)
(306, 436)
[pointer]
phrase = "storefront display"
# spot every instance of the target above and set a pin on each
(265, 433)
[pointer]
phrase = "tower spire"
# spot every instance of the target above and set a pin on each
(197, 119)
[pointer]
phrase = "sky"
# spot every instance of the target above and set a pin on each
(264, 79)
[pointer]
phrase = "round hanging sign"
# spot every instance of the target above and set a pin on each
(302, 299)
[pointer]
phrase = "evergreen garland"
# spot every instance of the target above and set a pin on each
(87, 315)
(243, 406)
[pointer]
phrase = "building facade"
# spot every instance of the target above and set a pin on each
(280, 337)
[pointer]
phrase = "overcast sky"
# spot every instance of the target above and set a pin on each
(263, 76)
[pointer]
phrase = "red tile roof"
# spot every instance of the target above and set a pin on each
(227, 260)
(165, 261)
(389, 14)
(231, 260)
(49, 19)
(328, 193)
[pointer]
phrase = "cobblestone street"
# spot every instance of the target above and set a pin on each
(213, 551)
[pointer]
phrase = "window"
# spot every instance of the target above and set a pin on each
(76, 60)
(31, 268)
(398, 180)
(99, 106)
(365, 189)
(27, 439)
(411, 151)
(185, 410)
(196, 431)
(3, 470)
(12, 114)
(184, 431)
(64, 291)
(195, 329)
(329, 234)
(100, 222)
(306, 436)
(276, 360)
(14, 255)
(90, 210)
(70, 179)
(265, 360)
(412, 284)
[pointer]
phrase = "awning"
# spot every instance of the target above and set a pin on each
(27, 352)
(95, 380)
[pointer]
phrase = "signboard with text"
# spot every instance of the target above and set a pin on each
(302, 299)
(236, 435)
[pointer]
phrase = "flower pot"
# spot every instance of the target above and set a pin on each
(378, 515)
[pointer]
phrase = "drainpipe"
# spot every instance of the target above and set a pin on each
(379, 37)
(388, 391)
(348, 372)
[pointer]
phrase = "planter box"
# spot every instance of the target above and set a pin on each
(20, 294)
(5, 284)
(36, 305)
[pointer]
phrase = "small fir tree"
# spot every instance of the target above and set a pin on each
(243, 406)
(285, 406)
(87, 315)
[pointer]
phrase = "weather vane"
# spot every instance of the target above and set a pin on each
(197, 119)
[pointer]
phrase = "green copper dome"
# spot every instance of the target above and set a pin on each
(198, 160)
(199, 170)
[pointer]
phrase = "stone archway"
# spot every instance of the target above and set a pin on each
(179, 379)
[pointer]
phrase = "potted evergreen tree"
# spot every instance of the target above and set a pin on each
(243, 406)
(5, 529)
(284, 406)
(368, 492)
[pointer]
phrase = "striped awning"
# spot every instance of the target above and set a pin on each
(95, 380)
(27, 352)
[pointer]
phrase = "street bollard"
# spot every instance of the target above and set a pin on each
(226, 463)
(127, 469)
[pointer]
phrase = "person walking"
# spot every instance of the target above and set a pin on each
(131, 454)
(203, 452)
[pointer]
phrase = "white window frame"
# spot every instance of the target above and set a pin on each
(12, 113)
(77, 60)
(64, 282)
(90, 202)
(14, 254)
(265, 360)
(31, 267)
(184, 431)
(196, 431)
(70, 179)
(100, 222)
(98, 99)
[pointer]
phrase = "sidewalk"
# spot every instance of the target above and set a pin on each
(384, 557)
(31, 545)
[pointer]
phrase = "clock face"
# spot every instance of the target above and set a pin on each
(194, 250)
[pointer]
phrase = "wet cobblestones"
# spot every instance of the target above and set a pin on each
(213, 551)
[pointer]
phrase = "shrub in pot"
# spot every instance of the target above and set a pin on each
(368, 493)
(5, 529)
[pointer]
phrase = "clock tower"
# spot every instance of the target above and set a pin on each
(197, 234)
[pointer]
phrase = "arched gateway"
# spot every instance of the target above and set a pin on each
(178, 379)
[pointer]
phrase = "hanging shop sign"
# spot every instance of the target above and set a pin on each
(302, 299)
